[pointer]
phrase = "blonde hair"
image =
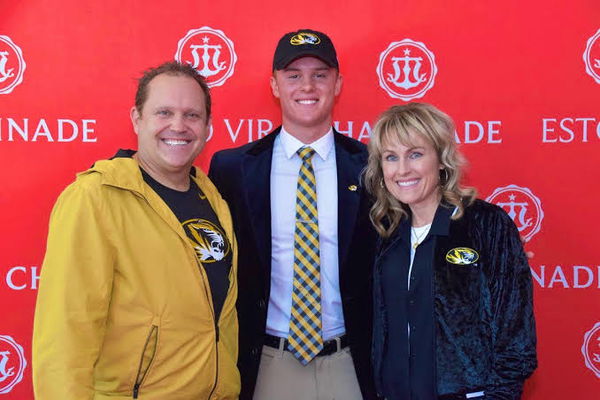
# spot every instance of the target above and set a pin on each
(399, 122)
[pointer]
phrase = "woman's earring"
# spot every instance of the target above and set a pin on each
(444, 179)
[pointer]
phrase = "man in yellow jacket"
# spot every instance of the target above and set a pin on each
(138, 286)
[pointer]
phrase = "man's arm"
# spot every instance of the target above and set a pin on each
(73, 298)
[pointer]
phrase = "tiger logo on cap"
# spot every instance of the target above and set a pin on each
(305, 38)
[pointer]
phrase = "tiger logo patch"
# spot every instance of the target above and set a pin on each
(462, 256)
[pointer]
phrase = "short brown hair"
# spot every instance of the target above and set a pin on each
(173, 68)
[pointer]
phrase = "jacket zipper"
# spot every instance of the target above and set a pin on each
(143, 370)
(216, 326)
(217, 333)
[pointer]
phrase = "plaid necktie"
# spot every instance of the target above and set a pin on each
(305, 337)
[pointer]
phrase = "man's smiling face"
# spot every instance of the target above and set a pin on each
(306, 89)
(172, 127)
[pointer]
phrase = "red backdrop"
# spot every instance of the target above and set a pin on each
(521, 79)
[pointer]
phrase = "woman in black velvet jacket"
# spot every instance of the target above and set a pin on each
(453, 313)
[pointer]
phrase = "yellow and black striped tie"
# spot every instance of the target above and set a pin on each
(305, 336)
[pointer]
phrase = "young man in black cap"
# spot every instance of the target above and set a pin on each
(305, 240)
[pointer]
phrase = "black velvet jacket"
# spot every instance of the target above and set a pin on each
(483, 308)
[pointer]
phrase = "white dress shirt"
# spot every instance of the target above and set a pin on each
(284, 179)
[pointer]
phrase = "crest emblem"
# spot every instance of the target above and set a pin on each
(591, 349)
(591, 57)
(12, 363)
(210, 52)
(522, 206)
(462, 256)
(12, 65)
(208, 240)
(406, 69)
(304, 38)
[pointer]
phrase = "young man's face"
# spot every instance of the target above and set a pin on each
(306, 89)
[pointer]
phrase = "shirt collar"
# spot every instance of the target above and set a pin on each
(439, 226)
(322, 146)
(441, 220)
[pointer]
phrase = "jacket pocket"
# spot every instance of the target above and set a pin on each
(146, 359)
(465, 282)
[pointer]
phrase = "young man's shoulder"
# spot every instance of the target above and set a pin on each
(350, 144)
(254, 147)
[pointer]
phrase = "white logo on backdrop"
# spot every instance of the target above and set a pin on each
(406, 69)
(591, 57)
(210, 52)
(591, 349)
(522, 206)
(12, 65)
(12, 363)
(4, 74)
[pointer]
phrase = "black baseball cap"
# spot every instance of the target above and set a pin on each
(304, 42)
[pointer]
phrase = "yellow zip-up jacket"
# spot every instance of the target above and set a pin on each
(124, 308)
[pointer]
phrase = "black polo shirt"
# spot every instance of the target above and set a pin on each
(408, 368)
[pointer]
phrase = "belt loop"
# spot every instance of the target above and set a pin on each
(338, 342)
(281, 348)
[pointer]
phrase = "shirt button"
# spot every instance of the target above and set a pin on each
(411, 302)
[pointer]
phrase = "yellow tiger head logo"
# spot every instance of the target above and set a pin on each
(462, 256)
(305, 38)
(208, 240)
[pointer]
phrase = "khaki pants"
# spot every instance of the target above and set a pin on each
(283, 377)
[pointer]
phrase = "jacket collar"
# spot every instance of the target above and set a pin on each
(120, 171)
(441, 220)
(440, 226)
(264, 144)
(350, 159)
(123, 172)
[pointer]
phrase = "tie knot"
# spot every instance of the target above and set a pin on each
(306, 153)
